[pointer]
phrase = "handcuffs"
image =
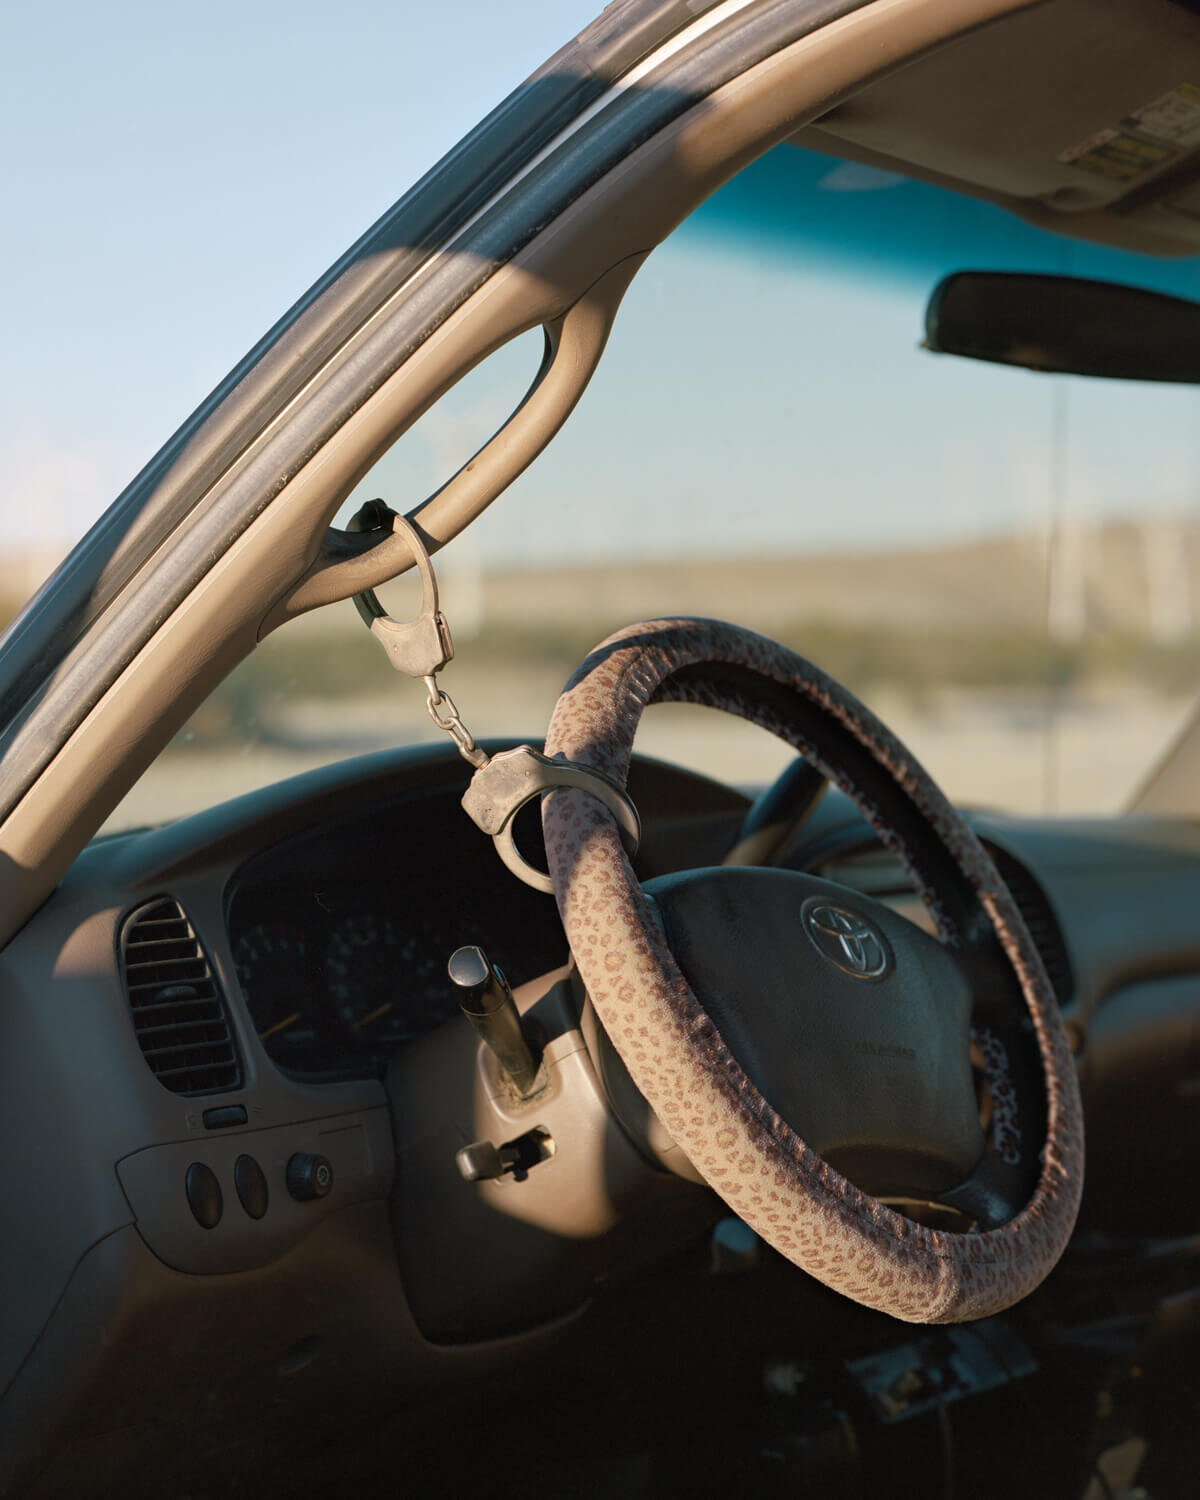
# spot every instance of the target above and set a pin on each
(504, 783)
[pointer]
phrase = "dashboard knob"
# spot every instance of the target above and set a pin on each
(309, 1176)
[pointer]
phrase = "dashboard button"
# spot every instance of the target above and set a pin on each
(224, 1116)
(204, 1195)
(251, 1186)
(309, 1176)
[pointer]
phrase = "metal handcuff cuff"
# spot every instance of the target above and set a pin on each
(503, 783)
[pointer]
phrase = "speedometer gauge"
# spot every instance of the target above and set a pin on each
(386, 984)
(362, 968)
(271, 960)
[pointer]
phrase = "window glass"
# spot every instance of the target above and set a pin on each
(1005, 564)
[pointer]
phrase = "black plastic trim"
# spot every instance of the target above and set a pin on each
(177, 1006)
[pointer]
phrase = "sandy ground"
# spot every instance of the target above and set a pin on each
(986, 748)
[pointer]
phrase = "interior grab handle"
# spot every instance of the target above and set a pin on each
(351, 562)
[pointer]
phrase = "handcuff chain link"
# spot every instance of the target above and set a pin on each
(503, 784)
(451, 722)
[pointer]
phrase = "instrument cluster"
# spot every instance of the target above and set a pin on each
(340, 935)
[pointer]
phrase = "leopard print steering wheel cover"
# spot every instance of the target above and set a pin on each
(762, 1169)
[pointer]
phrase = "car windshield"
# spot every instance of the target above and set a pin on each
(1004, 563)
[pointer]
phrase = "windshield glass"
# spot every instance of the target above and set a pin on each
(1004, 564)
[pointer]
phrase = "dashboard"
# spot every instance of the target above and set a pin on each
(327, 907)
(321, 913)
(330, 905)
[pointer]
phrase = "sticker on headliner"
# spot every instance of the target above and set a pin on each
(1175, 117)
(1117, 154)
(1144, 139)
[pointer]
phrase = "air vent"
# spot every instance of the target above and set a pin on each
(178, 1010)
(1034, 905)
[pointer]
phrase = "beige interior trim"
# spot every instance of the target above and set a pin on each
(1172, 789)
(624, 214)
(575, 342)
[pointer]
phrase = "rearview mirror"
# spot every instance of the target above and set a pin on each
(1066, 325)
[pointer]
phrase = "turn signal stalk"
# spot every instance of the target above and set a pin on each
(487, 1002)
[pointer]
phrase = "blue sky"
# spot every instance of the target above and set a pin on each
(176, 178)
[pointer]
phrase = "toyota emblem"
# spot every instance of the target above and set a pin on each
(846, 939)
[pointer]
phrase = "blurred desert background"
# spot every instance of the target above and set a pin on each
(1028, 672)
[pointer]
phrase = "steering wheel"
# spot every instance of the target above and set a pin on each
(793, 1035)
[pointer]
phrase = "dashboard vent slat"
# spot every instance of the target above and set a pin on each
(178, 1011)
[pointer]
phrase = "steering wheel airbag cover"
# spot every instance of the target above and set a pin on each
(874, 1071)
(747, 1152)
